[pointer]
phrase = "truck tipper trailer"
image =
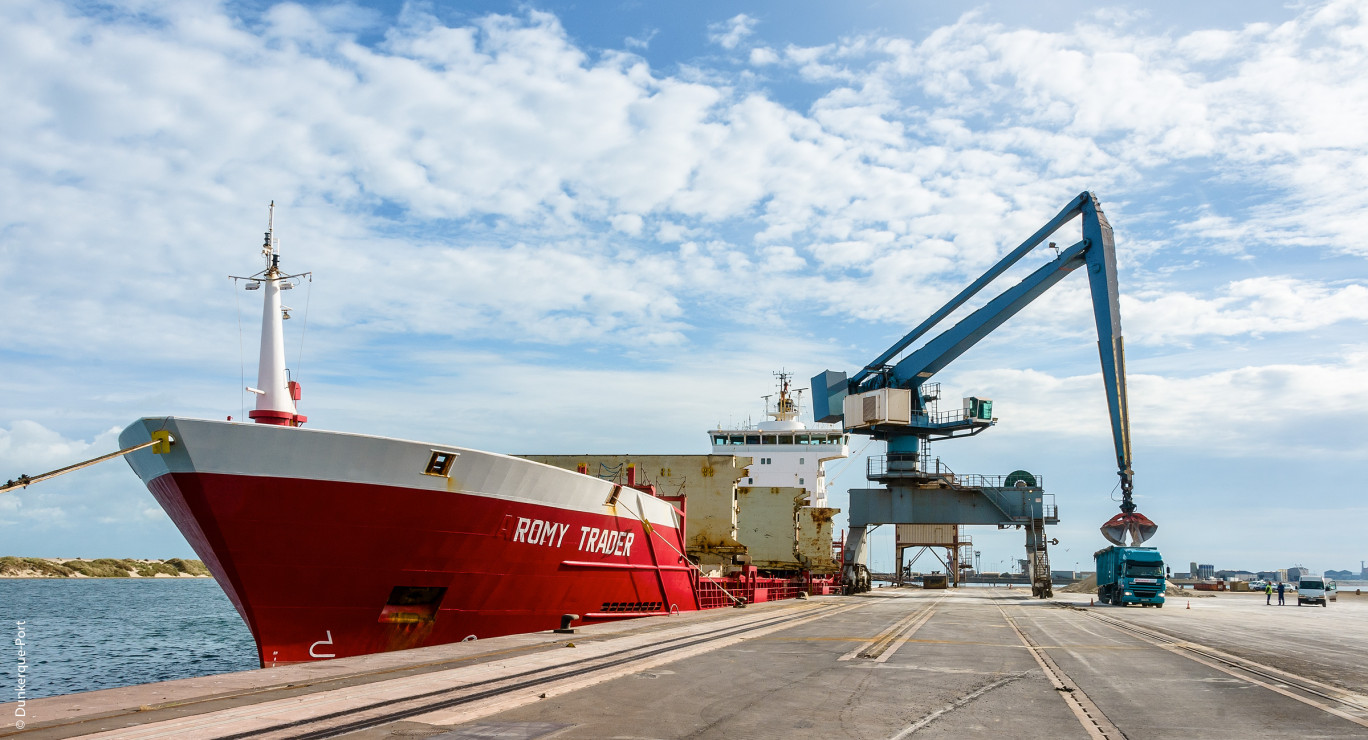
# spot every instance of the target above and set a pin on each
(1130, 575)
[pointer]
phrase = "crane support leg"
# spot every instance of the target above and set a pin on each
(855, 569)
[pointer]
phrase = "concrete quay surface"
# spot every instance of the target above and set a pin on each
(892, 663)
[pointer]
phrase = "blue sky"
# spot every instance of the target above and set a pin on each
(570, 227)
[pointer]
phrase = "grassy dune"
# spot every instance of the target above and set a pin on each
(17, 567)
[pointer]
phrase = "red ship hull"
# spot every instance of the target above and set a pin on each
(329, 568)
(311, 565)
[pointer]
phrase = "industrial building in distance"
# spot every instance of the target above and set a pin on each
(1203, 571)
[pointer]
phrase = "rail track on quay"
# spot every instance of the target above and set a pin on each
(1331, 699)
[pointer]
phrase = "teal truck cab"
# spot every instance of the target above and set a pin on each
(1130, 575)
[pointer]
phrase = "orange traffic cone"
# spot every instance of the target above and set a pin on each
(1189, 605)
(1090, 601)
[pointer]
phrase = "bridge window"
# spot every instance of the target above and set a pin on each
(720, 439)
(736, 439)
(786, 439)
(752, 439)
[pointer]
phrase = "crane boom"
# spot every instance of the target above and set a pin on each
(1097, 252)
(1059, 220)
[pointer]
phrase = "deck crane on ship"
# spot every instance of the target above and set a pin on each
(894, 401)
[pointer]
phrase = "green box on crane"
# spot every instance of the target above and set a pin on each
(978, 408)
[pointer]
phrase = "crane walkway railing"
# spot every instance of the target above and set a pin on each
(925, 466)
(954, 416)
(1002, 490)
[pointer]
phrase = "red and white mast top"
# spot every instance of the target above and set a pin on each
(276, 393)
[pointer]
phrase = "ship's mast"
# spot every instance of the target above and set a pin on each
(276, 393)
(786, 409)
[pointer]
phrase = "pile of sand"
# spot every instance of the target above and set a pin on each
(1086, 586)
(1089, 586)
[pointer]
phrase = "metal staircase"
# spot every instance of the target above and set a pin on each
(1037, 549)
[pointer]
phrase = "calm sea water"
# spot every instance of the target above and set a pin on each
(99, 633)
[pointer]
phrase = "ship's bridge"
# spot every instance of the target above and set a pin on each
(784, 454)
(722, 438)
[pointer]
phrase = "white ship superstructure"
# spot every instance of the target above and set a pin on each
(785, 452)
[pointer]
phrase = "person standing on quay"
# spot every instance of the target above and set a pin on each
(1281, 586)
(1268, 593)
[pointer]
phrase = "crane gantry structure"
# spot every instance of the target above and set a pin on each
(897, 402)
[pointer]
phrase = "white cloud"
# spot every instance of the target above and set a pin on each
(37, 449)
(763, 55)
(1236, 314)
(1254, 307)
(1277, 411)
(106, 492)
(669, 232)
(627, 223)
(1269, 107)
(643, 42)
(782, 259)
(728, 34)
(508, 121)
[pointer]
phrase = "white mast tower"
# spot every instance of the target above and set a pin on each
(276, 393)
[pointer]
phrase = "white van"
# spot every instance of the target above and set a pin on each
(1313, 590)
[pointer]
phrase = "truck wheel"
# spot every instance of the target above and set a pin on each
(1158, 606)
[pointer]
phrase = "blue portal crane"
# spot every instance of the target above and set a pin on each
(893, 401)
